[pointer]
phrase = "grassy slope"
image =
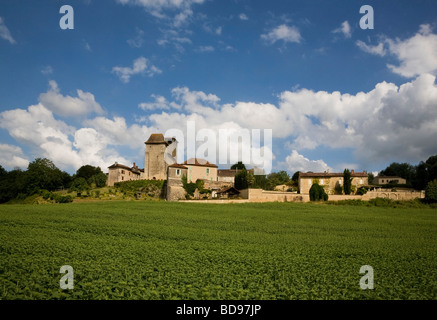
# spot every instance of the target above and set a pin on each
(146, 250)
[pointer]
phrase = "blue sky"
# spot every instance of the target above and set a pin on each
(334, 95)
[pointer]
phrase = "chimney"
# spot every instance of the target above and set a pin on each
(352, 171)
(134, 165)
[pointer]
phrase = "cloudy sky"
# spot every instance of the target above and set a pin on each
(333, 94)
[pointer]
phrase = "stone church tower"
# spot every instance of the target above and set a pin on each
(155, 164)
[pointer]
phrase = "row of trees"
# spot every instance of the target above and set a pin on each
(417, 176)
(42, 174)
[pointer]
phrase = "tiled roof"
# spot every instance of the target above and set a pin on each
(199, 162)
(118, 165)
(226, 172)
(122, 166)
(156, 138)
(177, 165)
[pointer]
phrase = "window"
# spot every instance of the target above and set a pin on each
(207, 171)
(122, 171)
(361, 181)
(321, 181)
(178, 172)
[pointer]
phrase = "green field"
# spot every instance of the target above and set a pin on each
(159, 250)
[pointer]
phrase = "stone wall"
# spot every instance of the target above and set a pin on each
(259, 195)
(175, 191)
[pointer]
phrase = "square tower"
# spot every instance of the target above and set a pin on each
(155, 164)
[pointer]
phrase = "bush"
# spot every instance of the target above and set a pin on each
(317, 193)
(431, 191)
(362, 191)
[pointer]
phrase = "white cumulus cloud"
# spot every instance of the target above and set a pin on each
(416, 55)
(66, 106)
(297, 162)
(12, 157)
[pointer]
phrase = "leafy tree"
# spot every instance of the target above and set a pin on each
(3, 172)
(92, 175)
(425, 172)
(431, 191)
(79, 185)
(260, 182)
(98, 180)
(317, 193)
(239, 165)
(12, 184)
(347, 183)
(243, 180)
(403, 170)
(277, 178)
(43, 174)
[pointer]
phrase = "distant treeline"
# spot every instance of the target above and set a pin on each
(42, 175)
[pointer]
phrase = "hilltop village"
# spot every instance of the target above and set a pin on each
(221, 182)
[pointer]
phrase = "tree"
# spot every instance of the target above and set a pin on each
(431, 191)
(3, 172)
(43, 174)
(99, 180)
(403, 170)
(238, 166)
(347, 184)
(277, 178)
(243, 180)
(317, 193)
(12, 184)
(295, 177)
(79, 185)
(92, 175)
(425, 172)
(371, 177)
(260, 182)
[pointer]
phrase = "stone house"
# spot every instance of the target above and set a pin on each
(331, 182)
(119, 172)
(388, 179)
(200, 169)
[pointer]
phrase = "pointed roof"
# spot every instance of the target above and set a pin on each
(156, 138)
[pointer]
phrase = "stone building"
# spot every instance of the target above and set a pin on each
(331, 182)
(160, 164)
(200, 169)
(155, 164)
(388, 179)
(119, 172)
